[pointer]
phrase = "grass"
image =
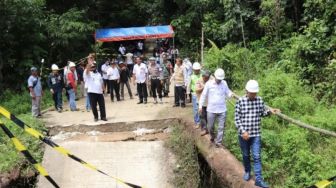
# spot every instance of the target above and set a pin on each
(19, 104)
(187, 167)
(9, 156)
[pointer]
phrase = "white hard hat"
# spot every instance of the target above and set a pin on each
(196, 66)
(71, 64)
(54, 67)
(252, 86)
(219, 74)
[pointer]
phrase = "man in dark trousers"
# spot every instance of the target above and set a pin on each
(56, 85)
(124, 80)
(95, 85)
(156, 79)
(180, 79)
(140, 73)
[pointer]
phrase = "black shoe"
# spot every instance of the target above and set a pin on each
(140, 102)
(95, 119)
(145, 102)
(183, 105)
(176, 105)
(103, 119)
(219, 145)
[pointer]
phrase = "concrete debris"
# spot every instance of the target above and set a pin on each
(143, 131)
(95, 133)
(65, 135)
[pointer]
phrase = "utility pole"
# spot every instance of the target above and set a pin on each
(242, 24)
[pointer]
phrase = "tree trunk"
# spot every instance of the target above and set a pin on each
(1, 75)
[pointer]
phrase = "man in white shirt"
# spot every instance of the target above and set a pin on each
(140, 46)
(140, 73)
(129, 62)
(215, 92)
(95, 85)
(122, 49)
(114, 78)
(104, 68)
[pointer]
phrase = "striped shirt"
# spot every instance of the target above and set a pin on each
(248, 115)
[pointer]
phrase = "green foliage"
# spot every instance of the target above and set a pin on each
(9, 156)
(236, 62)
(273, 18)
(21, 42)
(21, 103)
(187, 170)
(285, 91)
(68, 32)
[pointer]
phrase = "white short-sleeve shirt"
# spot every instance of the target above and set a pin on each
(140, 72)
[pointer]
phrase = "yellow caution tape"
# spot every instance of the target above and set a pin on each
(56, 147)
(324, 183)
(20, 147)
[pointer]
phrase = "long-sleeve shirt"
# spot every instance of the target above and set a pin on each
(248, 115)
(104, 68)
(216, 95)
(94, 82)
(113, 73)
(55, 82)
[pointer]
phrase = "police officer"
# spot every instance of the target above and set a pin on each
(156, 78)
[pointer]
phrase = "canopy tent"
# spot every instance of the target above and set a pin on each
(133, 33)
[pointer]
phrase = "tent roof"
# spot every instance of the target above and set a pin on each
(133, 33)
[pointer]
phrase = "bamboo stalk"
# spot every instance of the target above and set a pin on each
(297, 122)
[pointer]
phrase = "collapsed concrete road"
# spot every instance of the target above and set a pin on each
(129, 146)
(144, 162)
(138, 162)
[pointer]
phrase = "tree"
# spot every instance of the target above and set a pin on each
(68, 33)
(21, 40)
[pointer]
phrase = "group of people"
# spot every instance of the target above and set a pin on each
(69, 79)
(136, 49)
(208, 94)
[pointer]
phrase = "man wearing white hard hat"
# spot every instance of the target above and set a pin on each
(72, 86)
(216, 92)
(55, 84)
(196, 75)
(248, 112)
